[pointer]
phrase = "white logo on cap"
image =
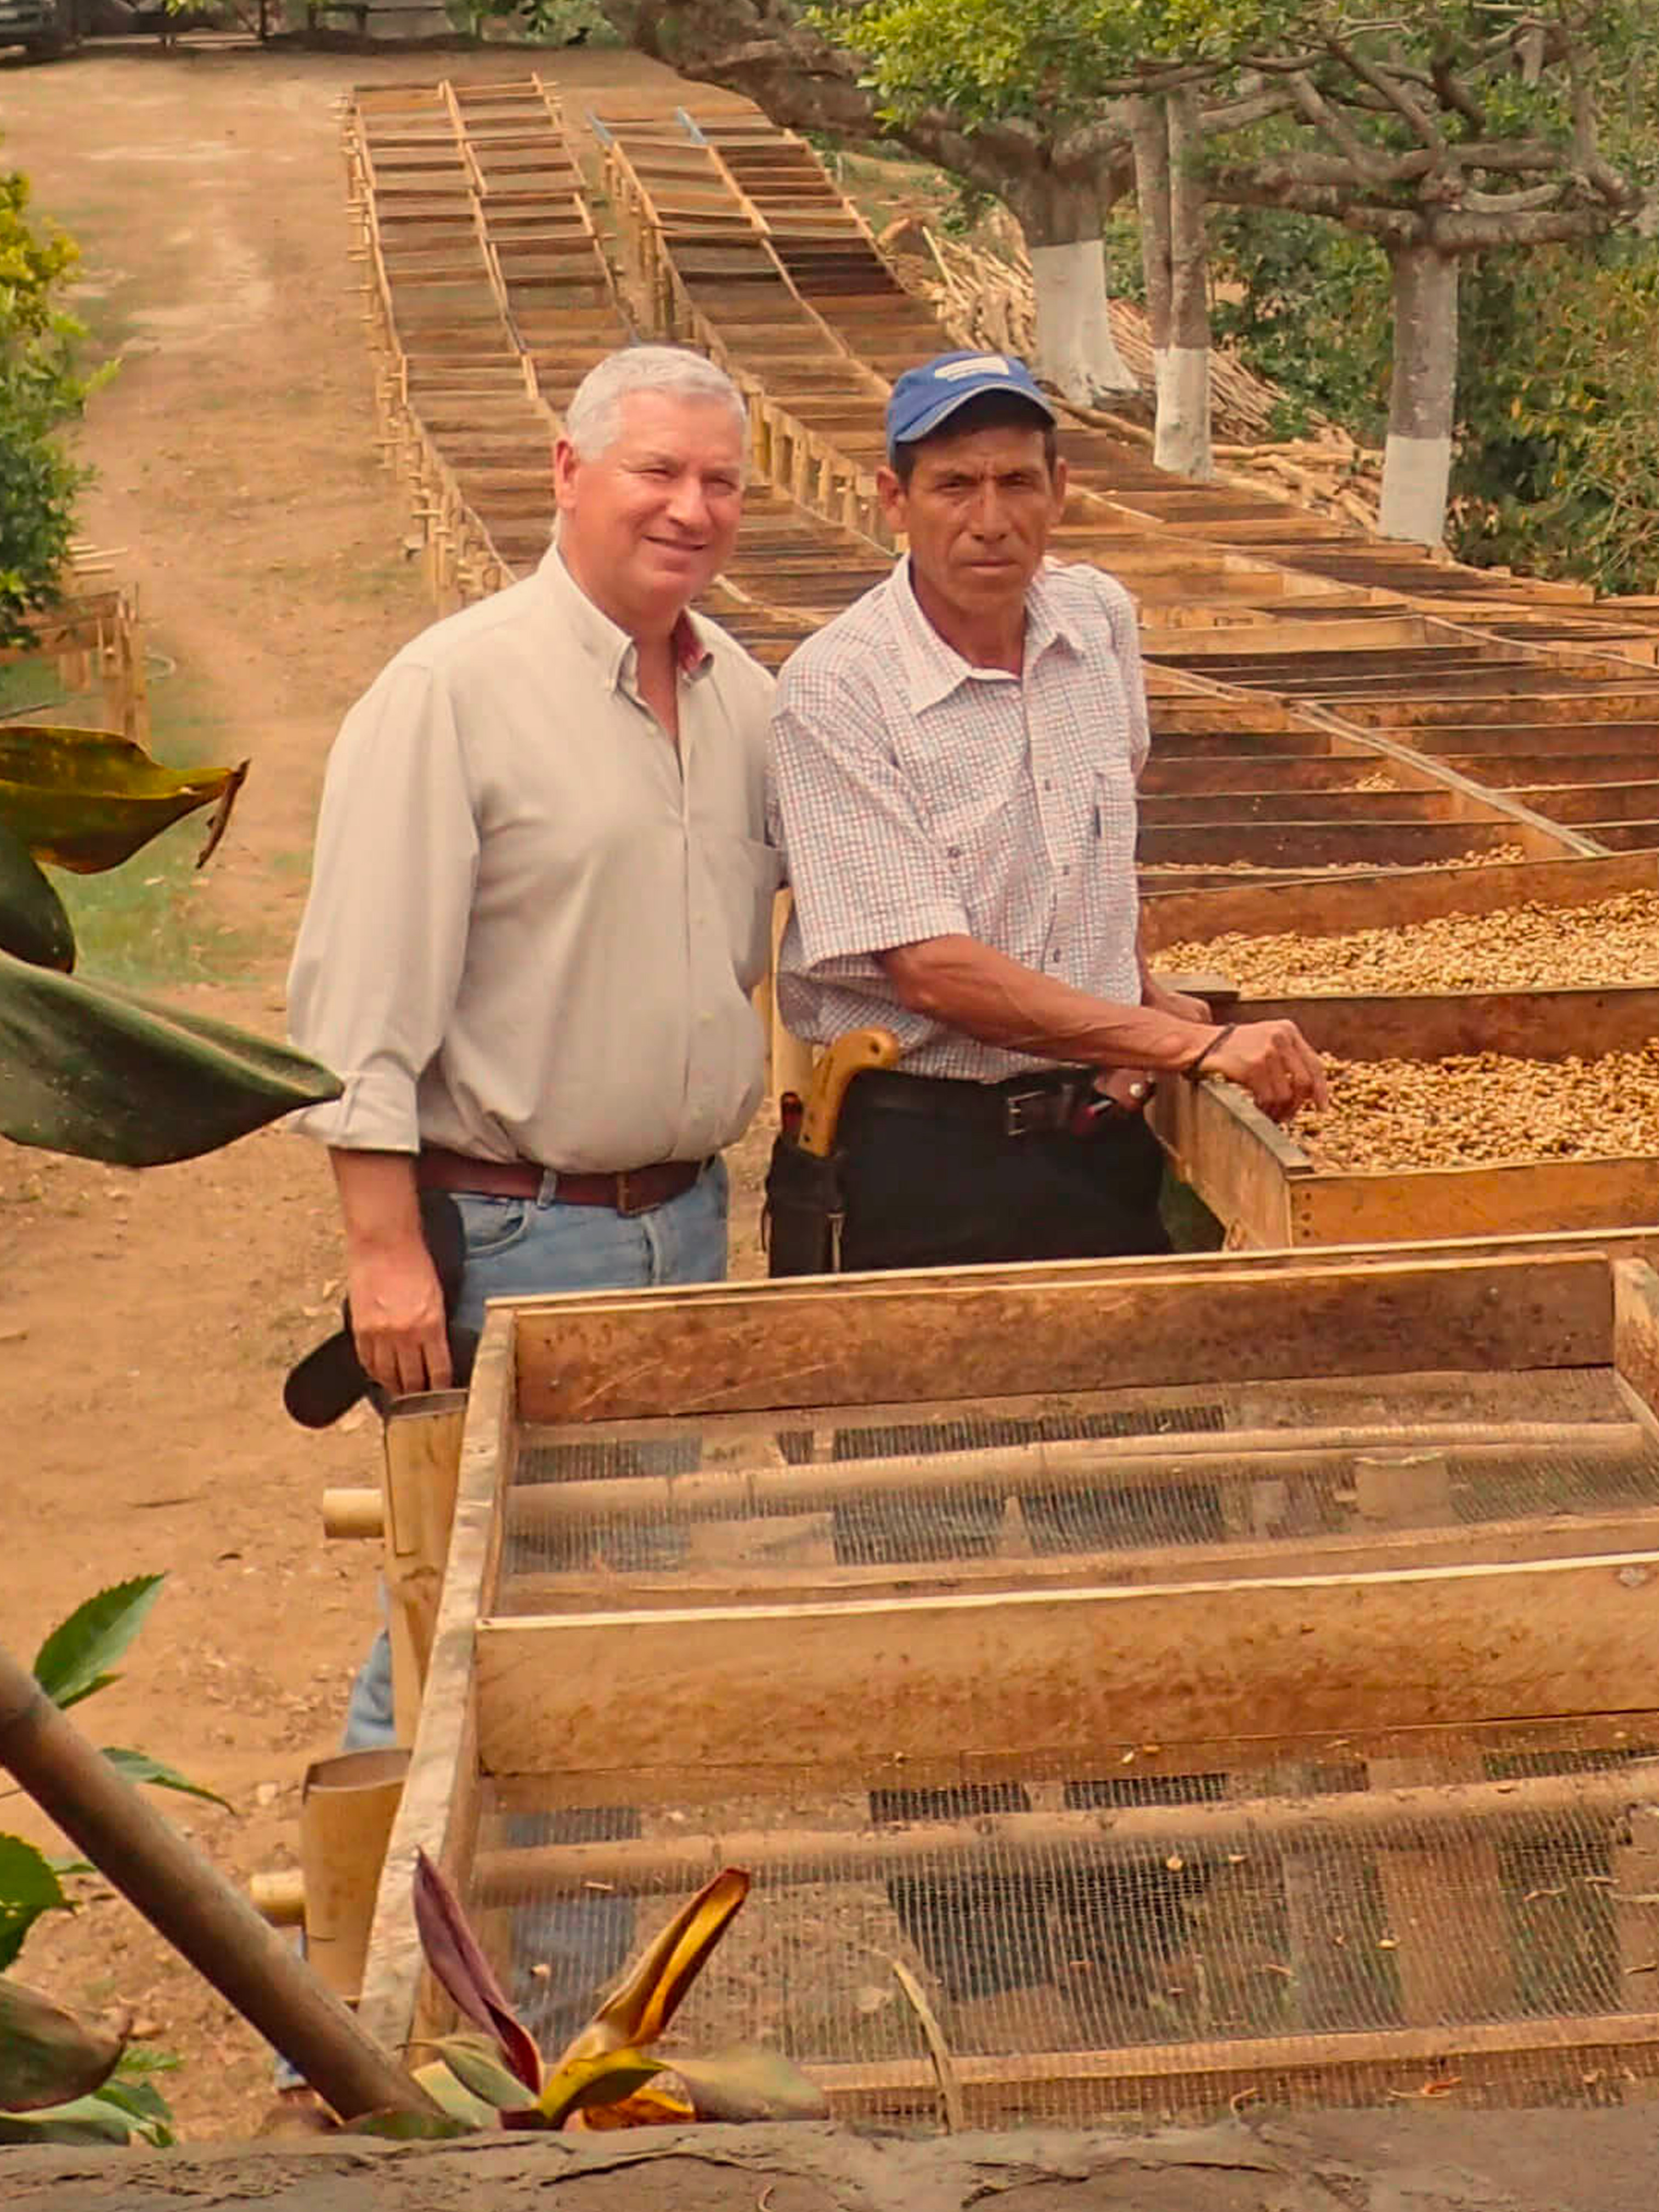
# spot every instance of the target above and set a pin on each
(978, 364)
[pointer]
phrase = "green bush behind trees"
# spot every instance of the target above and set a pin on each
(41, 389)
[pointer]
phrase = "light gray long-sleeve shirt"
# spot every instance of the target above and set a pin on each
(534, 926)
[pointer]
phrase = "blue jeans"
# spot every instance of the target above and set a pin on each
(524, 1247)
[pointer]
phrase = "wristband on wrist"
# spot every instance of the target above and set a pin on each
(1195, 1068)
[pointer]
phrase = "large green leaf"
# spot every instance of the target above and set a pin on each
(28, 1887)
(85, 2120)
(748, 2082)
(76, 1658)
(87, 800)
(139, 1766)
(453, 2098)
(91, 1069)
(409, 2127)
(474, 2061)
(48, 2056)
(33, 923)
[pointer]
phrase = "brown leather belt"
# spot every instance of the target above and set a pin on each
(632, 1190)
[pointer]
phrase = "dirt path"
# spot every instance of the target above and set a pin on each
(146, 1322)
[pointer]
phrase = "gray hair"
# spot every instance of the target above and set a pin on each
(592, 421)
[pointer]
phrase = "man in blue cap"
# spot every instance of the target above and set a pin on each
(952, 780)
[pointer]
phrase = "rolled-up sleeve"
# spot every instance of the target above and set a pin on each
(383, 942)
(865, 869)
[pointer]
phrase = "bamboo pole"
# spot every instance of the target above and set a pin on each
(188, 1901)
(721, 1493)
(1395, 1819)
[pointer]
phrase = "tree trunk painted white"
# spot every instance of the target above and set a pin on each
(1075, 347)
(1168, 194)
(1184, 399)
(1417, 464)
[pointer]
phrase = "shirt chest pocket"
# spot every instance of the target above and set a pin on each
(1114, 820)
(743, 876)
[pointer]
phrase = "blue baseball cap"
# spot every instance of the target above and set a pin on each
(926, 397)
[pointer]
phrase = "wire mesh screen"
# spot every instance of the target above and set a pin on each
(1466, 1915)
(1460, 1924)
(660, 1512)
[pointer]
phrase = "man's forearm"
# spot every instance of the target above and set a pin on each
(967, 985)
(379, 1204)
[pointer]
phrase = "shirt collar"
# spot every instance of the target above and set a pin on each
(607, 642)
(934, 670)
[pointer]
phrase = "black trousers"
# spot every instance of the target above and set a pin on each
(923, 1191)
(926, 1191)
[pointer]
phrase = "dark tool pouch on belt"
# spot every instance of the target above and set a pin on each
(801, 1224)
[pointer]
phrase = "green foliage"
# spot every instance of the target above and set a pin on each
(546, 22)
(1558, 466)
(62, 2081)
(1309, 307)
(1048, 62)
(40, 391)
(75, 1659)
(28, 1887)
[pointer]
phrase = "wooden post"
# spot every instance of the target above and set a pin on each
(346, 1812)
(422, 1453)
(790, 1057)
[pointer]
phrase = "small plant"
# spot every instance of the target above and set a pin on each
(63, 2079)
(610, 2076)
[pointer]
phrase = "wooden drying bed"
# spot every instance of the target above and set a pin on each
(1261, 1183)
(1417, 1643)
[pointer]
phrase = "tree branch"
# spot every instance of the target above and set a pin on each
(1314, 109)
(1388, 87)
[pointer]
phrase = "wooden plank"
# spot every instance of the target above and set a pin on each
(1636, 1332)
(1541, 1025)
(1256, 1764)
(1243, 1165)
(1492, 2062)
(439, 1809)
(1320, 844)
(1391, 1208)
(853, 1339)
(1550, 1536)
(1260, 807)
(1328, 908)
(421, 1444)
(891, 1680)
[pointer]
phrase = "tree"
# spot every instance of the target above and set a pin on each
(1446, 131)
(1446, 134)
(40, 391)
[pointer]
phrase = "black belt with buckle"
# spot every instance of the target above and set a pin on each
(1042, 1104)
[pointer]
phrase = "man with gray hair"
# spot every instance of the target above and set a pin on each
(541, 899)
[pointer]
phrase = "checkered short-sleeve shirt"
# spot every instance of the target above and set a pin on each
(916, 796)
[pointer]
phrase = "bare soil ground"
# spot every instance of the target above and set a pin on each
(146, 1321)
